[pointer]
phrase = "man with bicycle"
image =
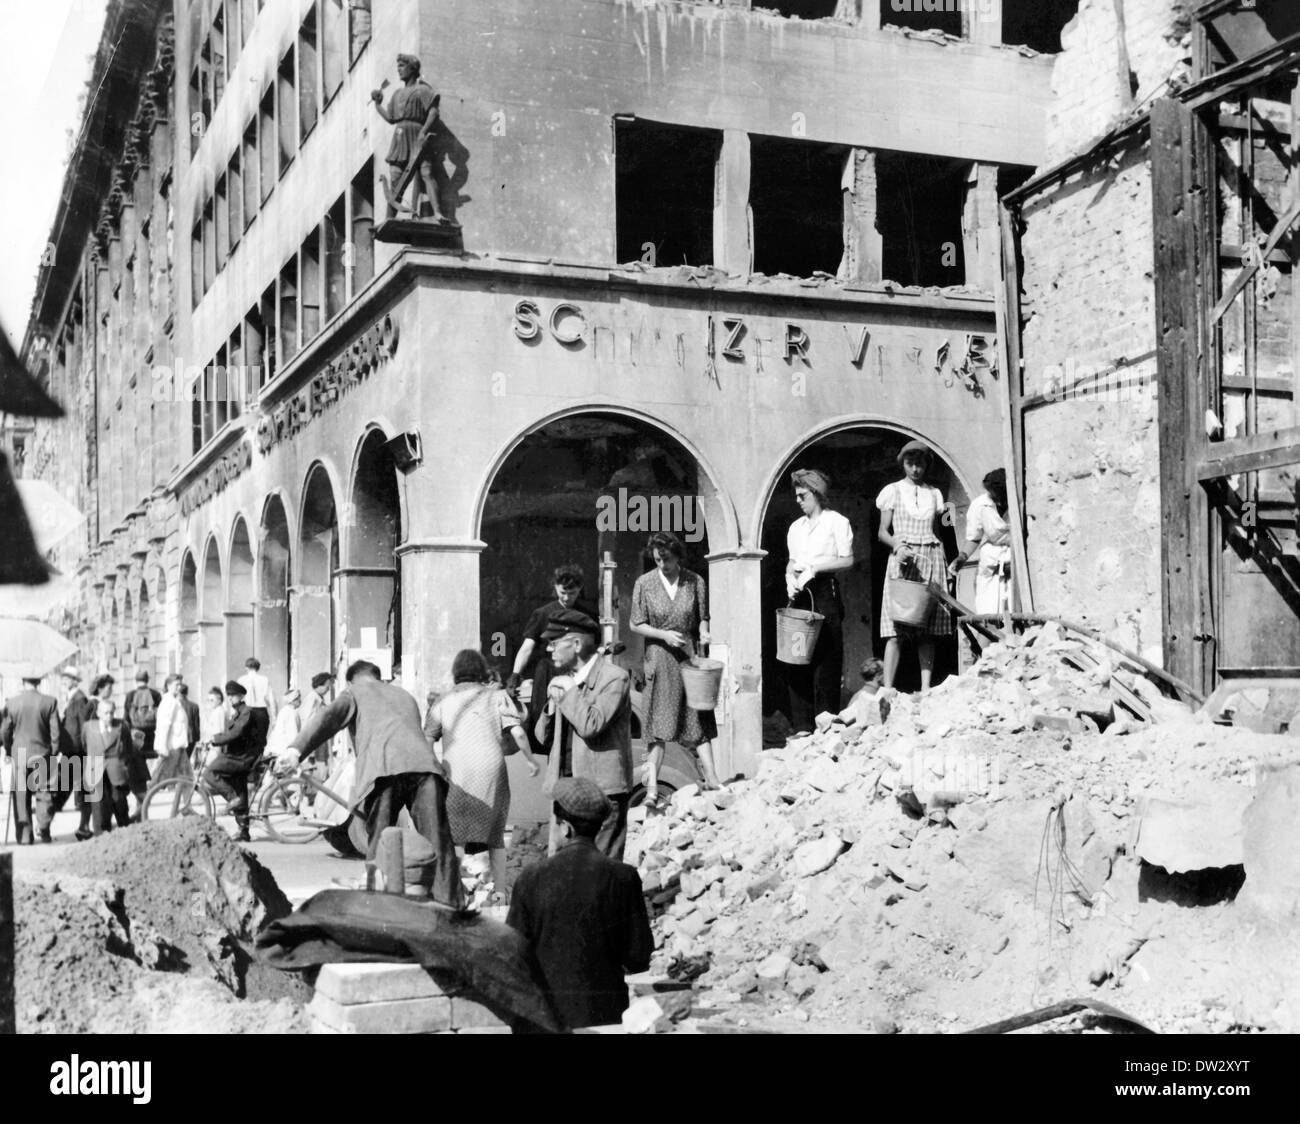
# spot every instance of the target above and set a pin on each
(240, 749)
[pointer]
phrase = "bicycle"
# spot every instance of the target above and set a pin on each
(279, 803)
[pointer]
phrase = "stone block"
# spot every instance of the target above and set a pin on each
(398, 1016)
(761, 886)
(1064, 723)
(346, 984)
(1205, 831)
(774, 967)
(812, 858)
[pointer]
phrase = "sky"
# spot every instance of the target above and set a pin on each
(45, 60)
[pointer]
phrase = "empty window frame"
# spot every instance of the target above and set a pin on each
(358, 28)
(267, 312)
(217, 39)
(209, 245)
(334, 46)
(796, 198)
(919, 207)
(287, 299)
(310, 280)
(254, 356)
(268, 144)
(663, 192)
(336, 258)
(308, 76)
(196, 264)
(234, 41)
(362, 256)
(1036, 23)
(222, 217)
(235, 372)
(925, 15)
(249, 11)
(250, 167)
(286, 109)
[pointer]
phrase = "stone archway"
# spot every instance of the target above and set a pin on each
(272, 632)
(191, 656)
(212, 623)
(314, 639)
(370, 580)
(239, 600)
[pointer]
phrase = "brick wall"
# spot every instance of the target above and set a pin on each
(1091, 450)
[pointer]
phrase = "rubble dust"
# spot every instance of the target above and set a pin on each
(946, 860)
(148, 930)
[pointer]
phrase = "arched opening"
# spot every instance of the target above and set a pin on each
(188, 608)
(239, 603)
(318, 549)
(370, 577)
(144, 653)
(163, 659)
(574, 490)
(212, 624)
(861, 460)
(127, 638)
(272, 631)
(114, 660)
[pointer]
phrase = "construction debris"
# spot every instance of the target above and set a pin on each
(965, 860)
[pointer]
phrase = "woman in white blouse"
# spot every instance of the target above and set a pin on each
(820, 545)
(910, 514)
(987, 532)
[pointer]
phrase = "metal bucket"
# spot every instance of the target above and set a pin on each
(910, 603)
(702, 679)
(796, 634)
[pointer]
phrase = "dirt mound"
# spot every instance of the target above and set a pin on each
(150, 929)
(966, 858)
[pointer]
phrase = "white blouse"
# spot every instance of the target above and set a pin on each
(831, 536)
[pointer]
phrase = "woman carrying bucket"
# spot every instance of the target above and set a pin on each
(910, 511)
(820, 544)
(670, 608)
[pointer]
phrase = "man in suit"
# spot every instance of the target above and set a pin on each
(141, 721)
(395, 769)
(195, 717)
(108, 766)
(239, 751)
(78, 712)
(31, 734)
(588, 724)
(583, 914)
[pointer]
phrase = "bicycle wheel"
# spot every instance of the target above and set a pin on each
(286, 810)
(176, 797)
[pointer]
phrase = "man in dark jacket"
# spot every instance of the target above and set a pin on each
(583, 914)
(108, 765)
(194, 715)
(227, 773)
(395, 769)
(141, 721)
(31, 735)
(78, 711)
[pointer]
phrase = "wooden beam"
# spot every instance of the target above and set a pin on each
(1250, 454)
(1284, 224)
(1013, 422)
(1283, 55)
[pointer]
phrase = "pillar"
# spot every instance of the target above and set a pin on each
(863, 244)
(982, 27)
(271, 641)
(212, 647)
(239, 640)
(735, 597)
(440, 608)
(980, 232)
(732, 249)
(312, 610)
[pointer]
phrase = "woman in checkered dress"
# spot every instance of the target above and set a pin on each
(910, 514)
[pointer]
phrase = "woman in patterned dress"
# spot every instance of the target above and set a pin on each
(471, 721)
(910, 512)
(670, 608)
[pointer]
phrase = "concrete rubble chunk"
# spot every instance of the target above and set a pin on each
(1193, 834)
(644, 1016)
(774, 967)
(816, 856)
(826, 776)
(1269, 851)
(761, 886)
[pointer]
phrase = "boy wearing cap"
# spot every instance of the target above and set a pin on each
(240, 750)
(583, 914)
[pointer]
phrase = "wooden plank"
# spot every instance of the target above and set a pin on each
(8, 1024)
(1268, 385)
(1249, 454)
(1175, 285)
(1013, 419)
(1284, 55)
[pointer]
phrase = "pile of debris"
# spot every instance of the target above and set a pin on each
(1003, 842)
(150, 930)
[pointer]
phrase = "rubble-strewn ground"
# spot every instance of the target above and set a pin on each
(148, 930)
(953, 865)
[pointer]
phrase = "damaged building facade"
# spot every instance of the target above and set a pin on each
(699, 245)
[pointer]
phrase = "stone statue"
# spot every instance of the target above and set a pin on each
(421, 145)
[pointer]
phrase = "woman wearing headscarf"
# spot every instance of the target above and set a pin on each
(820, 545)
(670, 608)
(910, 515)
(538, 631)
(472, 722)
(988, 533)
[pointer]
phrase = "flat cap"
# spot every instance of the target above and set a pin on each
(569, 620)
(916, 449)
(71, 671)
(235, 687)
(581, 799)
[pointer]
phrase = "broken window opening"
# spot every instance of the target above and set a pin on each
(308, 79)
(663, 192)
(286, 110)
(363, 227)
(1210, 886)
(336, 255)
(802, 9)
(1036, 24)
(919, 212)
(796, 196)
(923, 15)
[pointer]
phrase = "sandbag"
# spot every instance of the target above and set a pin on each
(467, 953)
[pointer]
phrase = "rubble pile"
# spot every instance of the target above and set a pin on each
(943, 861)
(149, 930)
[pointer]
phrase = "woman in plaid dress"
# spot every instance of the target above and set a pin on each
(910, 511)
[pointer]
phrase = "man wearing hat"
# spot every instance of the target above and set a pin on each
(78, 711)
(141, 721)
(587, 722)
(30, 732)
(240, 749)
(395, 769)
(582, 913)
